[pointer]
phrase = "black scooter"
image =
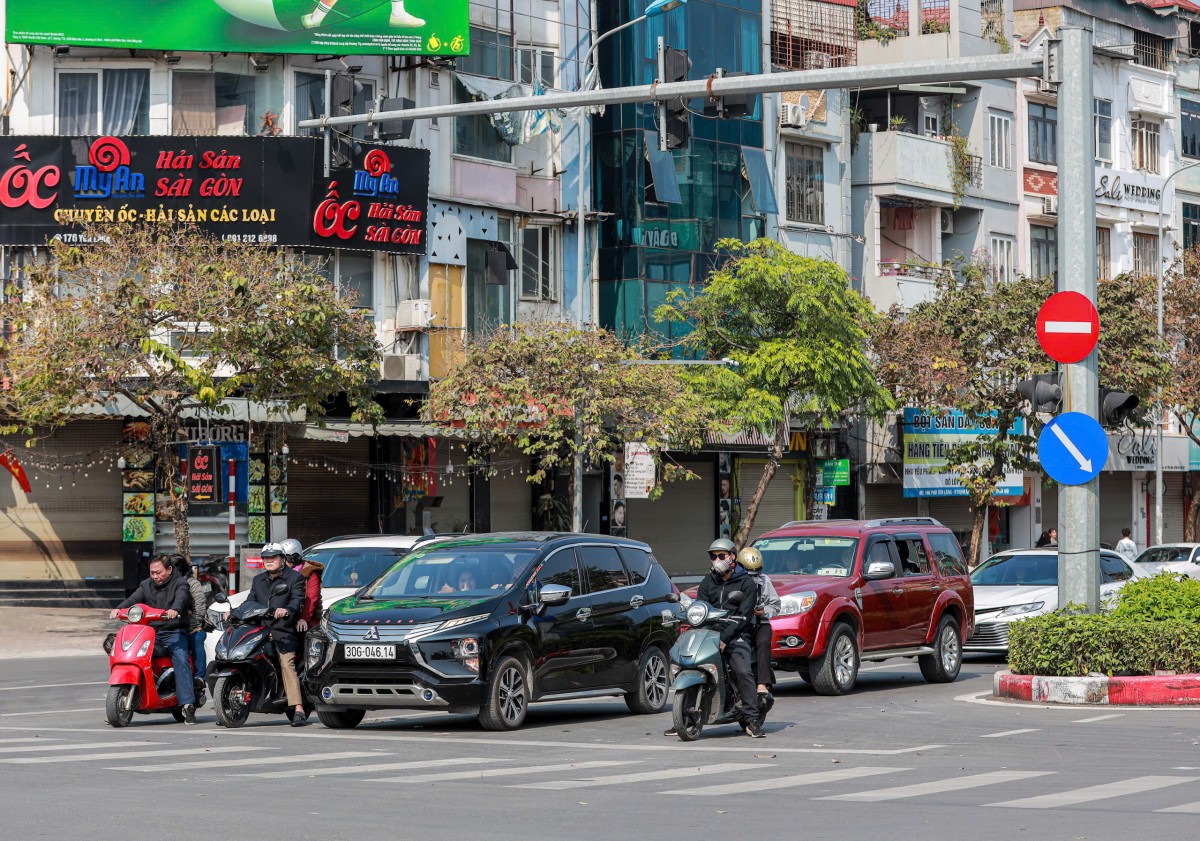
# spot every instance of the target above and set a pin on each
(245, 676)
(213, 573)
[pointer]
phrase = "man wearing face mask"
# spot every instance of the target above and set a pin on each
(725, 579)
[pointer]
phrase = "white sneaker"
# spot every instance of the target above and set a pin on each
(403, 19)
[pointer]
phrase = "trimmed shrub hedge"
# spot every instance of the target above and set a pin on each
(1155, 626)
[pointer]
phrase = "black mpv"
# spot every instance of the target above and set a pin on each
(486, 624)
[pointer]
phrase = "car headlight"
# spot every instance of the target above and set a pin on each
(1018, 609)
(135, 613)
(797, 603)
(466, 651)
(697, 612)
(316, 647)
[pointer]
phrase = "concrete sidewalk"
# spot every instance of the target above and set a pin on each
(53, 631)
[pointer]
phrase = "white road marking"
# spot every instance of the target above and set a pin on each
(56, 712)
(646, 776)
(1010, 733)
(986, 699)
(141, 754)
(77, 746)
(255, 760)
(1097, 718)
(938, 786)
(323, 771)
(793, 781)
(52, 685)
(1081, 327)
(500, 772)
(27, 739)
(1135, 785)
(1186, 808)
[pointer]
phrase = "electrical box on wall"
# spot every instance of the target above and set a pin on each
(414, 315)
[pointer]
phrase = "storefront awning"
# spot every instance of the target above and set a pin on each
(230, 411)
(343, 431)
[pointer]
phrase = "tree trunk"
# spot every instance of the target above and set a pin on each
(775, 456)
(1189, 526)
(976, 535)
(165, 442)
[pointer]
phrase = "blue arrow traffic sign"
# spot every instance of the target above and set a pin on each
(1073, 448)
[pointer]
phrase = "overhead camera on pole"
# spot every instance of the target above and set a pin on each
(674, 130)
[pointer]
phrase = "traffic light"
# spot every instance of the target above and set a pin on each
(674, 128)
(1116, 406)
(1043, 391)
(730, 105)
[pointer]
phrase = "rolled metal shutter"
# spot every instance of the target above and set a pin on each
(512, 496)
(681, 523)
(884, 501)
(1116, 507)
(1173, 507)
(955, 513)
(778, 505)
(323, 503)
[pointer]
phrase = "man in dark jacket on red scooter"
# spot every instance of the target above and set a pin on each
(284, 610)
(167, 589)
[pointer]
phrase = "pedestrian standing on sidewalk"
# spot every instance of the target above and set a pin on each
(1125, 546)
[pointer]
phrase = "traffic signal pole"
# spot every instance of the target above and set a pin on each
(1078, 505)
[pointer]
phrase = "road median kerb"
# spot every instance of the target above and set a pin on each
(1148, 690)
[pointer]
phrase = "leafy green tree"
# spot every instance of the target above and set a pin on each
(968, 346)
(1181, 310)
(797, 332)
(172, 320)
(555, 391)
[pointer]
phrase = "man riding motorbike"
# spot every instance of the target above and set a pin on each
(285, 610)
(751, 560)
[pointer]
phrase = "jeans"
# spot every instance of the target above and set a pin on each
(196, 644)
(177, 643)
(737, 653)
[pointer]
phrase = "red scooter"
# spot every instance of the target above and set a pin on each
(141, 675)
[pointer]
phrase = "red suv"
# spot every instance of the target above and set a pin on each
(856, 590)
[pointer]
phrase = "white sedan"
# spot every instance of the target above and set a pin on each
(1024, 582)
(1182, 559)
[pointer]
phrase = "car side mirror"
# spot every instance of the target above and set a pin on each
(552, 595)
(280, 588)
(880, 569)
(220, 598)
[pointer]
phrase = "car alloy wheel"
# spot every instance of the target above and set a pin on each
(512, 695)
(950, 649)
(843, 660)
(654, 679)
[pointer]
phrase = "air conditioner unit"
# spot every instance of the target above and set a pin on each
(947, 221)
(792, 115)
(822, 448)
(1050, 206)
(400, 366)
(414, 315)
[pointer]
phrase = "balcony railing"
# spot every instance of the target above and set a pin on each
(919, 271)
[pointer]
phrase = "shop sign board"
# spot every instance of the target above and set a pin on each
(835, 472)
(929, 438)
(313, 27)
(639, 471)
(203, 482)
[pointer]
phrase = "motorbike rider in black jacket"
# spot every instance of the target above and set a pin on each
(728, 578)
(283, 611)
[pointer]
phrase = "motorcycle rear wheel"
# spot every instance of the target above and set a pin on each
(687, 714)
(120, 703)
(229, 701)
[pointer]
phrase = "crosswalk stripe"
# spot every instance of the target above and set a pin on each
(1010, 733)
(140, 754)
(501, 772)
(1136, 785)
(1098, 718)
(27, 739)
(1186, 808)
(938, 786)
(257, 760)
(363, 769)
(792, 781)
(77, 746)
(645, 776)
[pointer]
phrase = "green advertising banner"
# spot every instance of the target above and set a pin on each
(335, 27)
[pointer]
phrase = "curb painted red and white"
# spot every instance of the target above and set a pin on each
(1152, 690)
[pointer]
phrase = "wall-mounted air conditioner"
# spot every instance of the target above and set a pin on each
(792, 115)
(822, 448)
(400, 366)
(947, 217)
(414, 315)
(1050, 205)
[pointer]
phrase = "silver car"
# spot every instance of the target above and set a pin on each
(1182, 559)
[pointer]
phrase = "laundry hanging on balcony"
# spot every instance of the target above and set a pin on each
(903, 218)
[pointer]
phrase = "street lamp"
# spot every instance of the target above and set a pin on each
(1158, 453)
(656, 8)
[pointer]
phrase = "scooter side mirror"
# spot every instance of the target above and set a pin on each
(220, 598)
(735, 597)
(280, 588)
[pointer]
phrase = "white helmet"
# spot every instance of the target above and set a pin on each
(292, 546)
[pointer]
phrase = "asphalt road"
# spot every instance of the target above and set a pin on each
(898, 756)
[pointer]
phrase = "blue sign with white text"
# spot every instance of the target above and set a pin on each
(1073, 448)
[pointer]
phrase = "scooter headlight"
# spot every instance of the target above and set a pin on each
(145, 647)
(135, 613)
(697, 612)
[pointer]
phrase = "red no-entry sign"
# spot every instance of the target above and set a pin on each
(1068, 327)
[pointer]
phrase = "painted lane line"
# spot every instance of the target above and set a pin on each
(646, 776)
(991, 778)
(27, 739)
(1097, 718)
(1085, 464)
(500, 772)
(56, 712)
(89, 757)
(793, 781)
(322, 771)
(77, 746)
(1136, 785)
(40, 686)
(255, 760)
(1080, 327)
(1186, 808)
(1011, 733)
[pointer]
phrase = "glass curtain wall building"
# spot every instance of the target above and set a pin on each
(649, 241)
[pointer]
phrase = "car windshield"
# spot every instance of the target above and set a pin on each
(353, 566)
(1040, 570)
(806, 555)
(1164, 555)
(439, 572)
